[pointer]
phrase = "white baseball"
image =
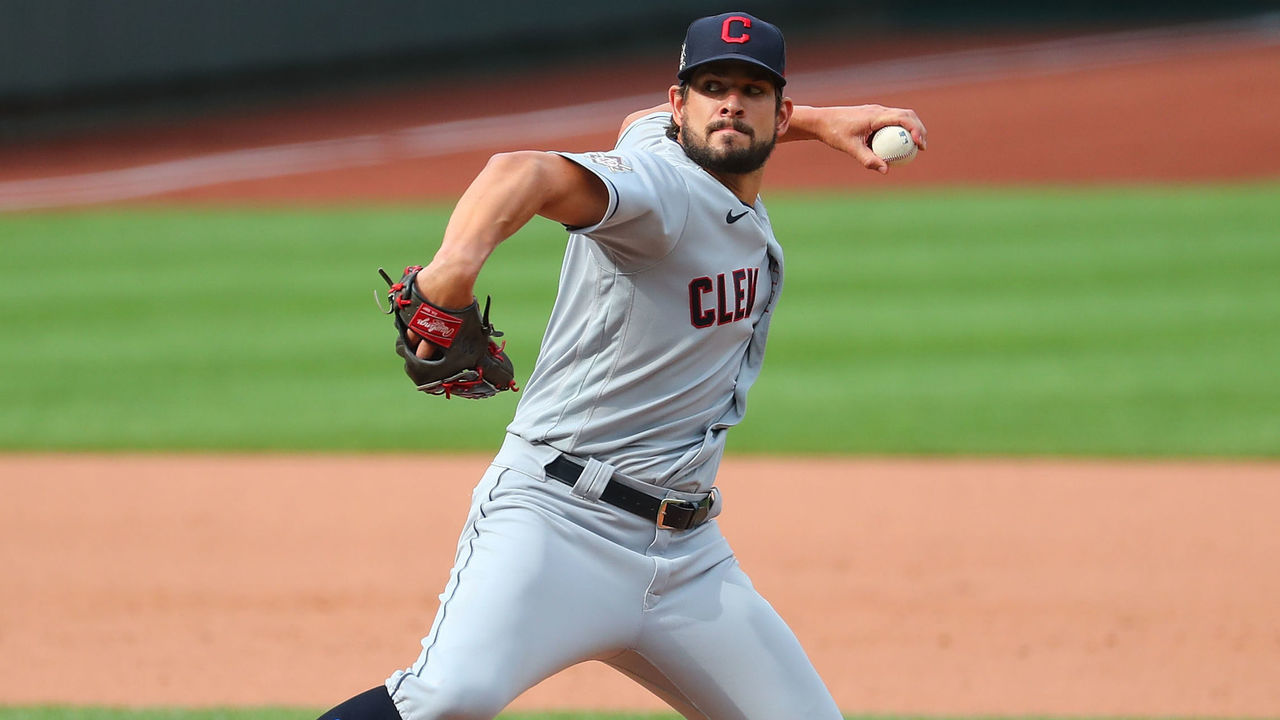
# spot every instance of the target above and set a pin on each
(894, 145)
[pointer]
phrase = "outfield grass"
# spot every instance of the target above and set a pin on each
(1069, 322)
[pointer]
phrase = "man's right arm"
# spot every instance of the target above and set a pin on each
(508, 192)
(849, 129)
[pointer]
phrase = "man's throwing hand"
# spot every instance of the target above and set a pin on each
(849, 129)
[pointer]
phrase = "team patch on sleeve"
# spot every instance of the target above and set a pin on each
(612, 162)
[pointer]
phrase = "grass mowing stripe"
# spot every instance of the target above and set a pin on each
(1112, 321)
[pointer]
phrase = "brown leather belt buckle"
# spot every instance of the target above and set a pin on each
(675, 514)
(682, 514)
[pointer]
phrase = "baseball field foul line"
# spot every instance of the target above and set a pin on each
(523, 129)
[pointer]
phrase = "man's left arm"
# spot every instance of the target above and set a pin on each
(626, 122)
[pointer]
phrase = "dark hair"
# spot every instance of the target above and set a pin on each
(673, 130)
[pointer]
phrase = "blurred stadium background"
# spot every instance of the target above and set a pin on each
(71, 64)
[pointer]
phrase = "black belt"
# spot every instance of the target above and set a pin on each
(668, 513)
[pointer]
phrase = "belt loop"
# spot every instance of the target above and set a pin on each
(593, 480)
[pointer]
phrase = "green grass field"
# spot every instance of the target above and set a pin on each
(1125, 322)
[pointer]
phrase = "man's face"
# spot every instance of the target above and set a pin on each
(730, 118)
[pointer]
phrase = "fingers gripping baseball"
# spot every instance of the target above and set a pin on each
(447, 351)
(849, 130)
(905, 118)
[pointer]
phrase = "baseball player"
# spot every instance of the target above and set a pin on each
(592, 536)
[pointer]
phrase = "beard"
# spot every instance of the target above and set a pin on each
(733, 161)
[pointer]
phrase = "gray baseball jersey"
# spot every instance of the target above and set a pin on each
(659, 328)
(655, 338)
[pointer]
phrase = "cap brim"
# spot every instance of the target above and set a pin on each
(684, 74)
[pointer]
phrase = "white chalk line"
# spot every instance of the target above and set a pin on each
(541, 126)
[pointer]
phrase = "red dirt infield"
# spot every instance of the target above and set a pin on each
(942, 587)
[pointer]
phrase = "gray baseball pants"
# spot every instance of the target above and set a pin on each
(545, 579)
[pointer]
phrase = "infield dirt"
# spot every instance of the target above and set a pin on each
(925, 586)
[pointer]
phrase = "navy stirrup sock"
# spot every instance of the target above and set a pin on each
(375, 704)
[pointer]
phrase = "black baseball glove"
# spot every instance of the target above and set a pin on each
(467, 362)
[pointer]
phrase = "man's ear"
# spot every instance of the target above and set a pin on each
(676, 99)
(784, 116)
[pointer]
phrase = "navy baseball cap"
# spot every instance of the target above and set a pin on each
(733, 36)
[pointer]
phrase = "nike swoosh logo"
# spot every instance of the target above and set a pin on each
(730, 218)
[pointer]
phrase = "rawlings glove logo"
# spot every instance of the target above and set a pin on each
(435, 325)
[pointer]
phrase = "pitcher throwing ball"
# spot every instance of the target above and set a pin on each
(592, 536)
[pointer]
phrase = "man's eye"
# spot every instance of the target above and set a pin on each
(711, 86)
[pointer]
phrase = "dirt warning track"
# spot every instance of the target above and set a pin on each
(1117, 107)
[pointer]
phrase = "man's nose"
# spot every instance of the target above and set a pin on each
(732, 106)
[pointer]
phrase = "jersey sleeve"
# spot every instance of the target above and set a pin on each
(648, 196)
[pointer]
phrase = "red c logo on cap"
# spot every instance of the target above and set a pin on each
(726, 33)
